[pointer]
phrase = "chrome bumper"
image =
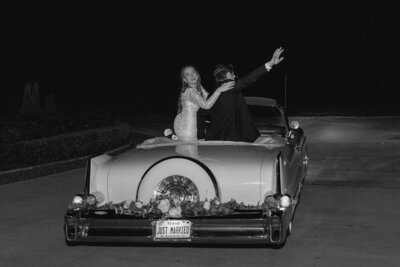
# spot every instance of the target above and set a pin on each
(248, 227)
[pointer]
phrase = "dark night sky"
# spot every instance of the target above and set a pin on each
(126, 55)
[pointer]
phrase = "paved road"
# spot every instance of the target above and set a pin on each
(348, 215)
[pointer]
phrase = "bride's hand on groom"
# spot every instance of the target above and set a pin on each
(226, 86)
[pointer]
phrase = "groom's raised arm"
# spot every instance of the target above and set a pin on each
(256, 74)
(249, 79)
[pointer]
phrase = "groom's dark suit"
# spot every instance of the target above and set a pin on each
(230, 116)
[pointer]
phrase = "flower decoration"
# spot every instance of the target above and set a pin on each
(127, 203)
(169, 206)
(206, 205)
(175, 212)
(138, 205)
(163, 206)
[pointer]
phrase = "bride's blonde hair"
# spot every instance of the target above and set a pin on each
(185, 85)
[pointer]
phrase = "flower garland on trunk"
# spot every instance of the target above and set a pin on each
(168, 206)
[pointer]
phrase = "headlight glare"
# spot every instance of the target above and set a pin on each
(77, 200)
(285, 201)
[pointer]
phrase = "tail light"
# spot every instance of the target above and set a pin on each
(278, 201)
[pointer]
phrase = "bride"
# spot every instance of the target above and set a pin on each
(192, 97)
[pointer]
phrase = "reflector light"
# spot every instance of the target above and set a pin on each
(271, 202)
(91, 200)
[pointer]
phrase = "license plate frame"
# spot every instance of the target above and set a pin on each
(172, 230)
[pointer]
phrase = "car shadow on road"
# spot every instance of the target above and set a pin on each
(184, 245)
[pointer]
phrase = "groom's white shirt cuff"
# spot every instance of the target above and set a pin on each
(267, 66)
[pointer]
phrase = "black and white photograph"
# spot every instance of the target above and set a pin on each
(199, 133)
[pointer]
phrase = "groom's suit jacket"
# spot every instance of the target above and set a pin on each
(230, 116)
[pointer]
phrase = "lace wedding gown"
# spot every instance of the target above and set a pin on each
(185, 124)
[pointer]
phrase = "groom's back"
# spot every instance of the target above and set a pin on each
(224, 117)
(231, 119)
(230, 116)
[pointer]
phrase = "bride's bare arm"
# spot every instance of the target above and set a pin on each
(196, 98)
(205, 93)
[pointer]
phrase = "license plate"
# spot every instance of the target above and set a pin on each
(172, 229)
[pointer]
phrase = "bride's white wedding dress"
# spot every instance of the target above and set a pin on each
(185, 124)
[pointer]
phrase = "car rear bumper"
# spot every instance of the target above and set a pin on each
(87, 227)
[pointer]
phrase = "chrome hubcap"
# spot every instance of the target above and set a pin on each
(177, 187)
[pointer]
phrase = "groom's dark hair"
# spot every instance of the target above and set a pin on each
(221, 70)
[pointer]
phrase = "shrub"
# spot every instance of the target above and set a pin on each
(23, 127)
(62, 147)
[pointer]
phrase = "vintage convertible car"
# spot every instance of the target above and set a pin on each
(165, 190)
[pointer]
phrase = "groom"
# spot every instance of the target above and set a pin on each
(230, 116)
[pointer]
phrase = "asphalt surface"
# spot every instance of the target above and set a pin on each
(348, 215)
